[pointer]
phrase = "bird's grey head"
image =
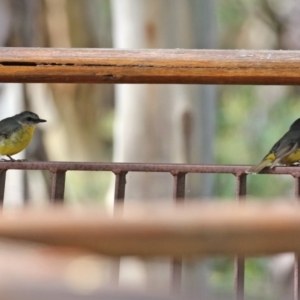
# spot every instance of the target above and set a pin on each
(28, 118)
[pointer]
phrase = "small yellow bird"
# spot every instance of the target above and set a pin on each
(286, 151)
(16, 132)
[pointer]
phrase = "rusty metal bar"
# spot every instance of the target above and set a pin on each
(239, 277)
(2, 185)
(297, 187)
(176, 275)
(241, 187)
(149, 167)
(176, 264)
(179, 186)
(120, 184)
(57, 185)
(56, 65)
(239, 263)
(119, 197)
(296, 277)
(297, 258)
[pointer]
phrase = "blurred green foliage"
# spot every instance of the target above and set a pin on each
(246, 133)
(257, 286)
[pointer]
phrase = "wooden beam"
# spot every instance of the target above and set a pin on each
(52, 65)
(179, 231)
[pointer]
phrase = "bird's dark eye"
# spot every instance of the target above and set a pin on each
(29, 119)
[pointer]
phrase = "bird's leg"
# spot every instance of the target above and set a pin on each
(12, 159)
(8, 160)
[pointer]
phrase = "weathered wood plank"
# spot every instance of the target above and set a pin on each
(182, 230)
(149, 66)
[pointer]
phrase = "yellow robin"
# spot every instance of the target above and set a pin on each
(286, 151)
(16, 132)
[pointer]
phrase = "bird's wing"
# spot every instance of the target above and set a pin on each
(8, 126)
(285, 152)
(286, 145)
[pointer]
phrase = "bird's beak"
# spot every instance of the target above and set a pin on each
(40, 121)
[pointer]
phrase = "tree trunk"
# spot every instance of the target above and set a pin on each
(158, 123)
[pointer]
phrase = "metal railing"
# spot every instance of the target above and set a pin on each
(178, 171)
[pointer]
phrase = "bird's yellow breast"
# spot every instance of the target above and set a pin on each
(17, 141)
(291, 158)
(271, 157)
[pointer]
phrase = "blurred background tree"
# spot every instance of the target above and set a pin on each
(238, 128)
(163, 123)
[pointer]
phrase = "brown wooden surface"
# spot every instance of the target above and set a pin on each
(149, 66)
(187, 230)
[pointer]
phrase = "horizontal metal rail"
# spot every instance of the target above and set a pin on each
(149, 66)
(56, 166)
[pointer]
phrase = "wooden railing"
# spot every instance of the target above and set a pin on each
(149, 66)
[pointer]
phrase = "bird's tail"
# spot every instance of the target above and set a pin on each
(257, 168)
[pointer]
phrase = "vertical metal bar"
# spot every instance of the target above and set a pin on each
(239, 263)
(179, 187)
(26, 191)
(296, 277)
(57, 186)
(297, 259)
(239, 277)
(241, 186)
(120, 184)
(2, 185)
(176, 264)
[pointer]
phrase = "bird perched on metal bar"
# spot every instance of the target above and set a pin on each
(286, 151)
(16, 132)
